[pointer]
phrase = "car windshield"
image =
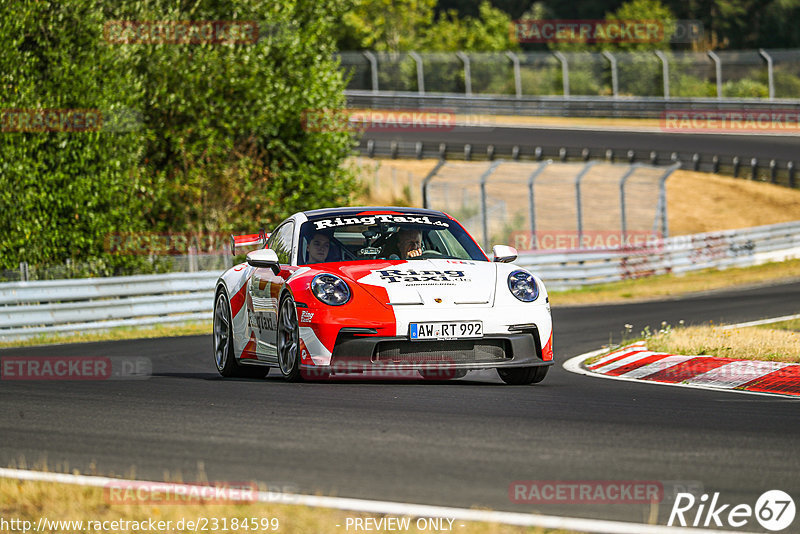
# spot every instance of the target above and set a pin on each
(386, 237)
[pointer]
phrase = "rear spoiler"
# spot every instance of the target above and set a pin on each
(248, 240)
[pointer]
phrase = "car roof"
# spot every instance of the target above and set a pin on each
(329, 212)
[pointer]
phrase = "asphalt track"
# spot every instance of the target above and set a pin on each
(459, 443)
(761, 146)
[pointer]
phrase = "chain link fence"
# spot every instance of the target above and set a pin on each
(678, 74)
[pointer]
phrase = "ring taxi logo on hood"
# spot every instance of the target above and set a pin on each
(410, 275)
(373, 219)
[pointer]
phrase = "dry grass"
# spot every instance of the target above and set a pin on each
(668, 286)
(30, 501)
(792, 324)
(721, 203)
(742, 343)
(167, 330)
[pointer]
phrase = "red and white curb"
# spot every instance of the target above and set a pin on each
(635, 362)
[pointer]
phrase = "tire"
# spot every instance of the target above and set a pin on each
(520, 376)
(288, 340)
(224, 357)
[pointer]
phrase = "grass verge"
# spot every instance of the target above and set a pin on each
(669, 286)
(192, 328)
(31, 501)
(751, 343)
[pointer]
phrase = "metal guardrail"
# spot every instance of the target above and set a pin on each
(781, 172)
(679, 254)
(31, 308)
(86, 304)
(571, 106)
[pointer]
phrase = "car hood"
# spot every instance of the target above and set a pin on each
(419, 282)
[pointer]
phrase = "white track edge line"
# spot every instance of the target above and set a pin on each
(573, 365)
(762, 321)
(601, 526)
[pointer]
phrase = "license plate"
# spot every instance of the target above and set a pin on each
(454, 330)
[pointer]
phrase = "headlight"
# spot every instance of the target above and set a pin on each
(330, 289)
(523, 286)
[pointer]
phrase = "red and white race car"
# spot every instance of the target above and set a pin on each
(387, 292)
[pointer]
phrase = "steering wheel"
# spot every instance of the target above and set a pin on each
(431, 254)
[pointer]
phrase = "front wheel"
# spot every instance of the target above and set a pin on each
(520, 376)
(288, 340)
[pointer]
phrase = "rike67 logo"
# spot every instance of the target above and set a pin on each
(774, 510)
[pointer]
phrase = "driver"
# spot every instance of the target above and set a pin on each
(318, 247)
(409, 243)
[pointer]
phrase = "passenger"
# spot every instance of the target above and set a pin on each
(409, 243)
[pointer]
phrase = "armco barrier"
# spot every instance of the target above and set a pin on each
(85, 304)
(679, 254)
(52, 306)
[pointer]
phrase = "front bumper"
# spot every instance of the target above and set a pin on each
(356, 351)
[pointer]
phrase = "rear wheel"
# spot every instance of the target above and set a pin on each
(519, 376)
(288, 340)
(224, 356)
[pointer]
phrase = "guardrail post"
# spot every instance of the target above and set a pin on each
(467, 152)
(562, 154)
(754, 169)
(770, 76)
(664, 71)
(790, 168)
(373, 67)
(531, 207)
(653, 157)
(537, 153)
(427, 179)
(484, 215)
(718, 71)
(517, 78)
(578, 179)
(736, 164)
(467, 73)
(420, 72)
(418, 149)
(773, 170)
(696, 161)
(614, 79)
(564, 71)
(715, 164)
(610, 155)
(23, 271)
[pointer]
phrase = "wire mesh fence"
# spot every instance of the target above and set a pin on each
(724, 74)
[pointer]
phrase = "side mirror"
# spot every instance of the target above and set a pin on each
(504, 253)
(264, 257)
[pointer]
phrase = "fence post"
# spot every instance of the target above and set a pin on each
(614, 79)
(427, 179)
(623, 217)
(770, 77)
(420, 72)
(662, 199)
(718, 71)
(578, 179)
(531, 209)
(564, 71)
(517, 78)
(467, 73)
(484, 215)
(373, 67)
(664, 71)
(23, 271)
